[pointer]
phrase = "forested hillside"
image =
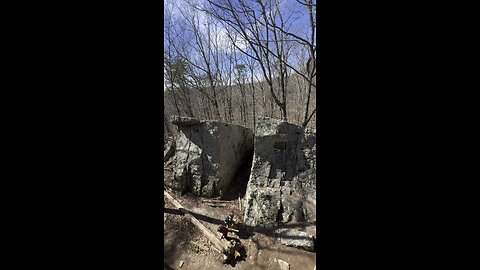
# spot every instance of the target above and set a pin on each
(237, 60)
(240, 94)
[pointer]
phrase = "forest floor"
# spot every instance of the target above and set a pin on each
(185, 245)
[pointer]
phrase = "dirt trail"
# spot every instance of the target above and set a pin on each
(183, 241)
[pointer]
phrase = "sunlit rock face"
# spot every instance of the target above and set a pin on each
(282, 184)
(208, 155)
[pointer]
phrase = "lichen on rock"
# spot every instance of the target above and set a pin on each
(208, 154)
(283, 178)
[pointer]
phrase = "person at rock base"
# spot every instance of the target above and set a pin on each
(223, 230)
(229, 221)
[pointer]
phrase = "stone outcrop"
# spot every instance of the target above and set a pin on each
(282, 184)
(208, 155)
(298, 239)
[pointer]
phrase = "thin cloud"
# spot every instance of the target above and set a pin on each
(219, 34)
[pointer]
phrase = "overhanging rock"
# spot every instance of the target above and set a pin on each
(208, 154)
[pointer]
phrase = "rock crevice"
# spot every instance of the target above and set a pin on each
(208, 155)
(282, 182)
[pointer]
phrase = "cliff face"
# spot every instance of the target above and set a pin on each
(282, 184)
(208, 155)
(282, 181)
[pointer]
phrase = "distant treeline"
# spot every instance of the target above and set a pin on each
(236, 60)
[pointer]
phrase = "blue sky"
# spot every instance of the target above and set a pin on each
(296, 13)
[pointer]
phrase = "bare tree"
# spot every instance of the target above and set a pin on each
(311, 64)
(267, 68)
(204, 59)
(251, 66)
(261, 24)
(169, 55)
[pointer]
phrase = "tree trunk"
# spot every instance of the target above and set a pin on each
(253, 105)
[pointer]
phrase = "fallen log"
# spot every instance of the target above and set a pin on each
(211, 236)
(214, 248)
(216, 201)
(216, 205)
(233, 230)
(229, 249)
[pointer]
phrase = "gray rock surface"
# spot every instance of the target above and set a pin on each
(298, 239)
(283, 265)
(169, 151)
(282, 184)
(208, 155)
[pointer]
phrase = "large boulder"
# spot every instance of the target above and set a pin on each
(207, 156)
(298, 239)
(282, 184)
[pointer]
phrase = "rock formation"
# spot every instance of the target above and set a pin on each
(298, 239)
(208, 155)
(282, 184)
